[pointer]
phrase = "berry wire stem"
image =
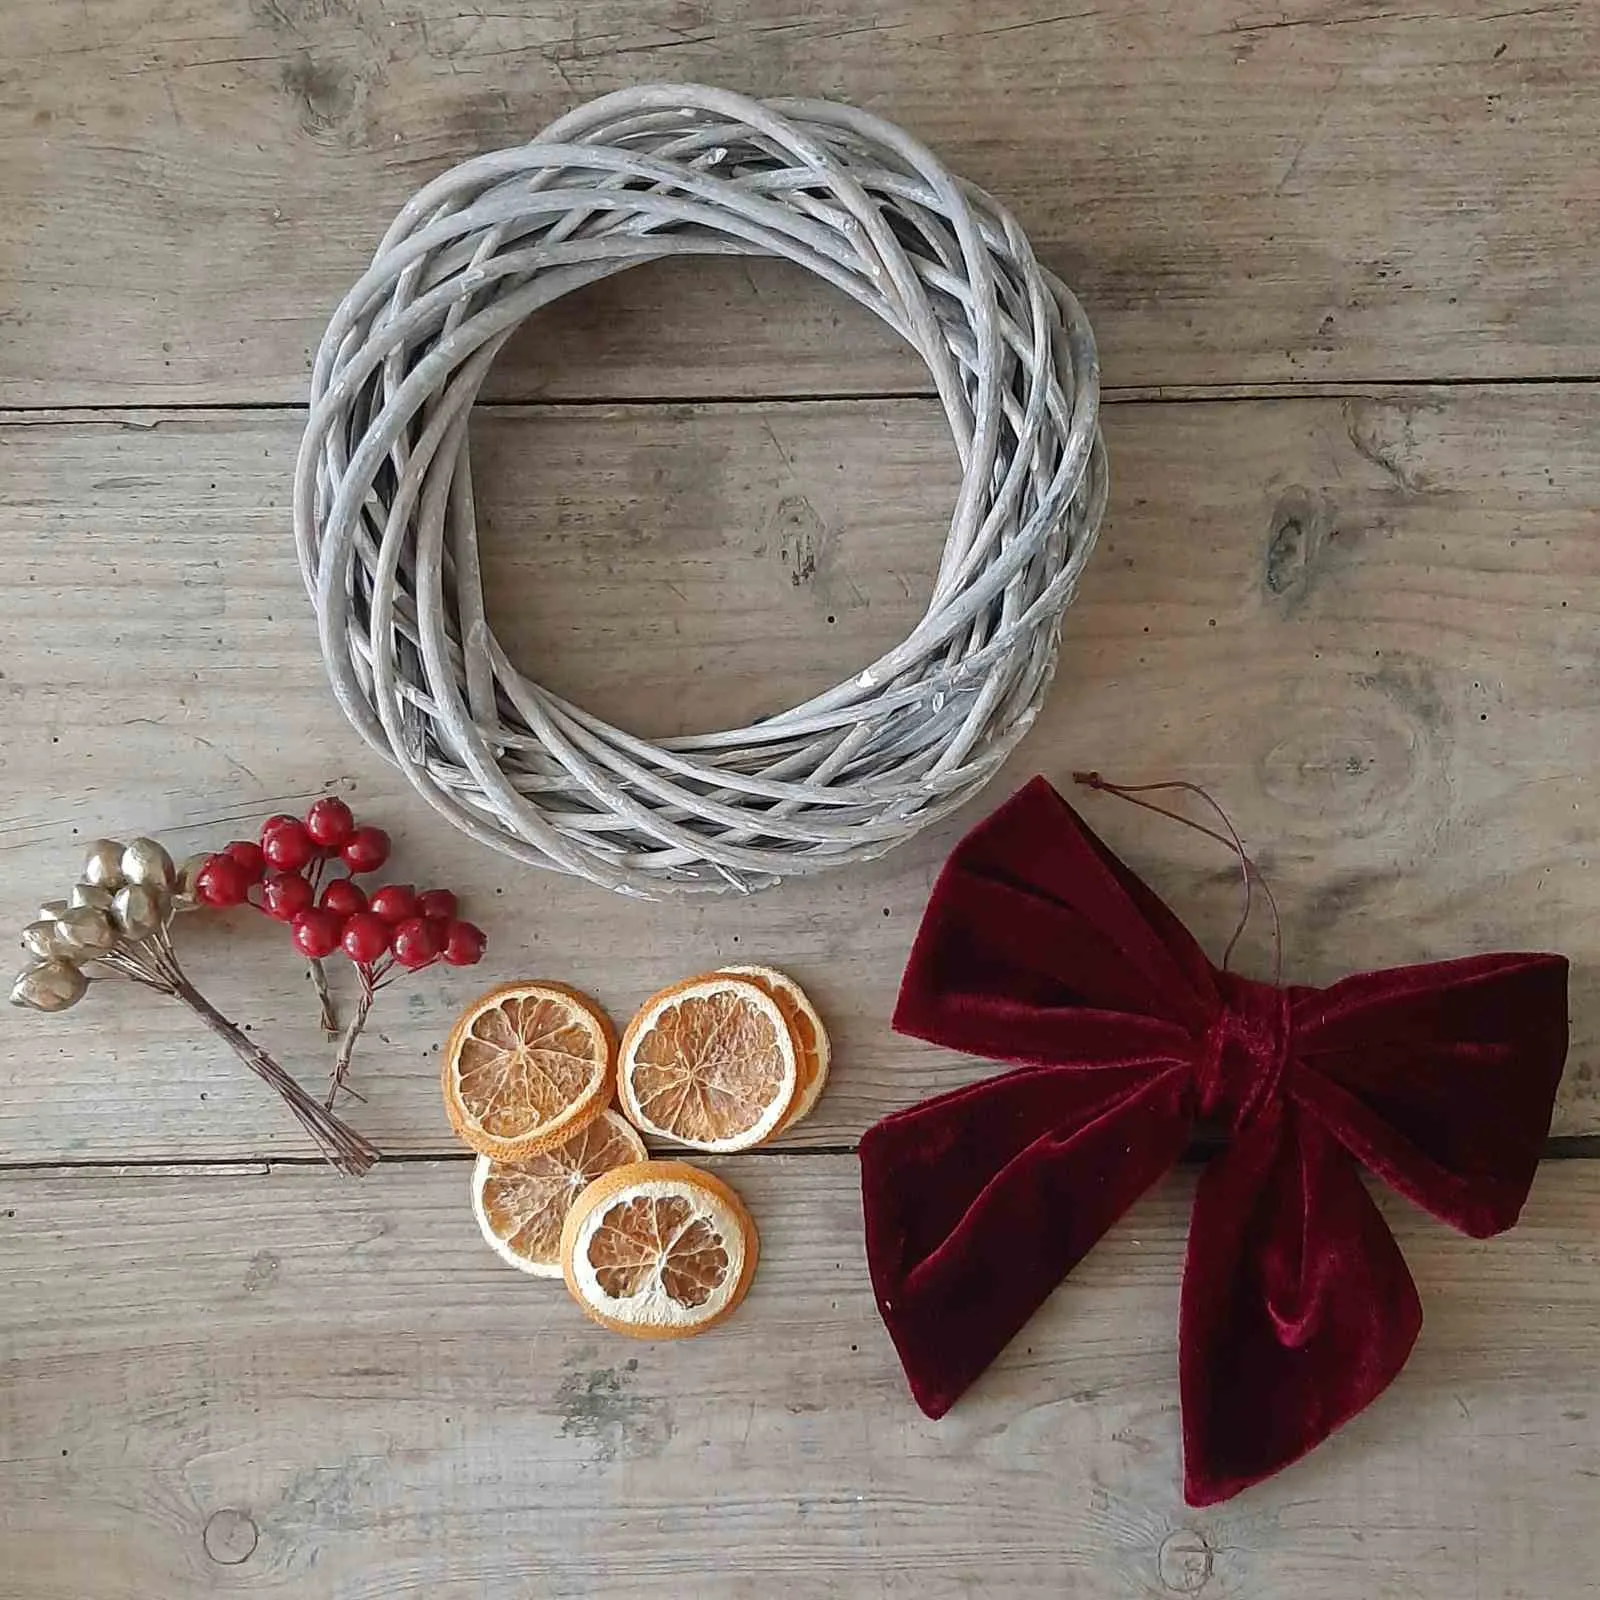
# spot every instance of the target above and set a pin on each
(153, 963)
(319, 981)
(347, 1045)
(378, 975)
(319, 973)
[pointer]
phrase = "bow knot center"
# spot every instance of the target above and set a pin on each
(1245, 1052)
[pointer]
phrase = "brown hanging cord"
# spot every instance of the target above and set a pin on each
(1251, 873)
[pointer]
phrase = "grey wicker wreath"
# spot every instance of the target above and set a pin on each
(388, 541)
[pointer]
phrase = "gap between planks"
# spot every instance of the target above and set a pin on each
(1566, 1147)
(1132, 394)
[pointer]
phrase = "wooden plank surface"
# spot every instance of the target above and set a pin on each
(277, 1383)
(1368, 624)
(1347, 581)
(1241, 190)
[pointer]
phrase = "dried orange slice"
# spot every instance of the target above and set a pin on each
(709, 1063)
(521, 1205)
(658, 1250)
(526, 1066)
(813, 1051)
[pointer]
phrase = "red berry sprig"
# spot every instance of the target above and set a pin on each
(365, 850)
(316, 932)
(343, 897)
(365, 938)
(330, 823)
(285, 895)
(291, 849)
(287, 845)
(392, 927)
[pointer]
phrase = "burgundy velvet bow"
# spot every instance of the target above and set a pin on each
(1040, 948)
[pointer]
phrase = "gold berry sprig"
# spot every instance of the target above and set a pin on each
(116, 922)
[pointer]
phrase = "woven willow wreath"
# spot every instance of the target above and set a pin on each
(388, 539)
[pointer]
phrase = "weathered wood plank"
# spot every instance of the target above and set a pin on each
(286, 1384)
(1242, 191)
(1369, 625)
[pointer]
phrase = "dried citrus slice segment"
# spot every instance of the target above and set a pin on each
(658, 1250)
(813, 1051)
(521, 1205)
(709, 1063)
(525, 1067)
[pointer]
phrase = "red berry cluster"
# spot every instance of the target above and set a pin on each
(286, 869)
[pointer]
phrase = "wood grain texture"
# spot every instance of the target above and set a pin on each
(1240, 190)
(1364, 617)
(1367, 624)
(279, 1384)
